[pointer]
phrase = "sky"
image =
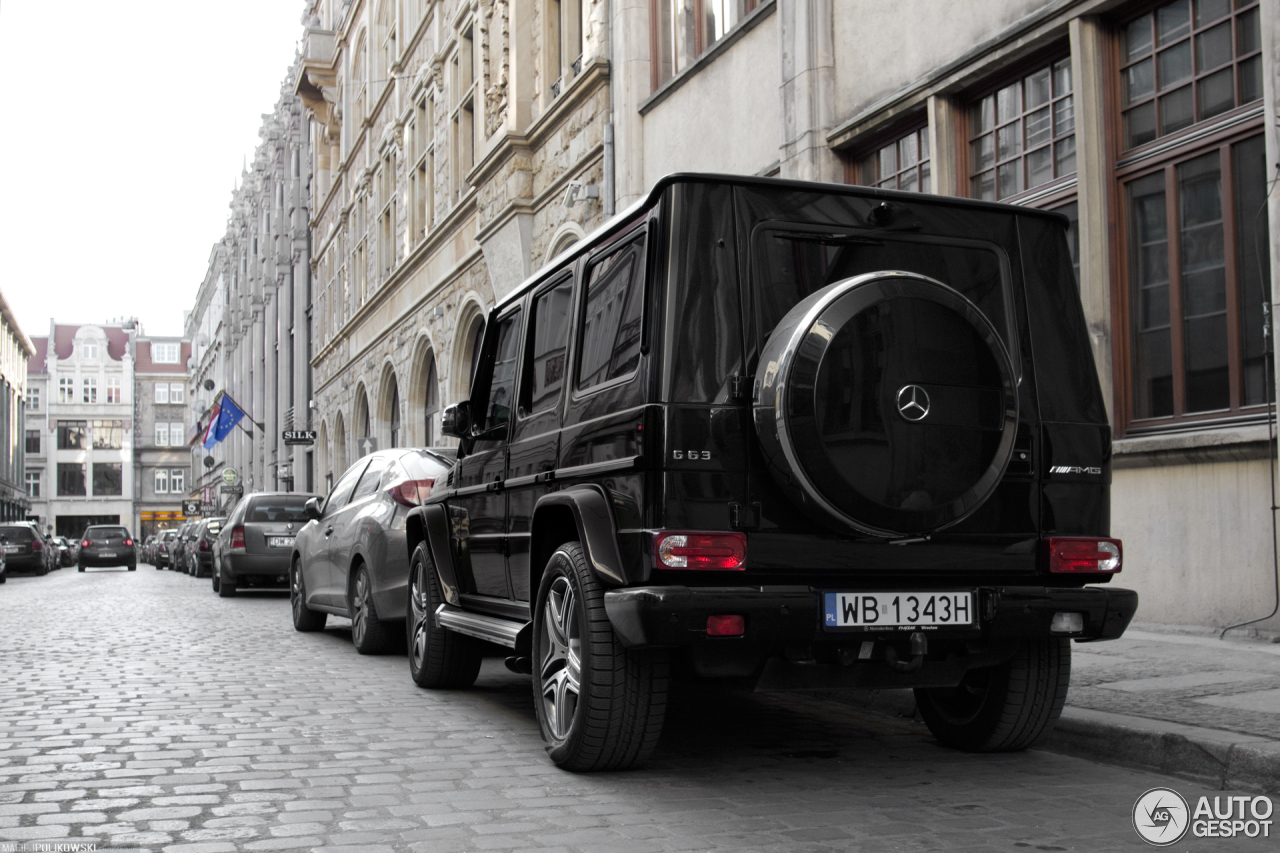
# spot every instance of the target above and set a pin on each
(125, 129)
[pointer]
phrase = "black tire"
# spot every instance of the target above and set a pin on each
(1002, 708)
(304, 618)
(133, 567)
(215, 582)
(227, 589)
(42, 571)
(369, 634)
(438, 659)
(615, 717)
(4, 578)
(80, 567)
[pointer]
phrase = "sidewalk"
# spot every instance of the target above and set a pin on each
(1186, 704)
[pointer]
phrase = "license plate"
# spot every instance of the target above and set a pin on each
(279, 541)
(896, 610)
(106, 553)
(13, 549)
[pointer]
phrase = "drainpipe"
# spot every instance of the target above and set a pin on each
(608, 128)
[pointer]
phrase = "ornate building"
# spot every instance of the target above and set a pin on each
(162, 424)
(446, 137)
(250, 328)
(15, 349)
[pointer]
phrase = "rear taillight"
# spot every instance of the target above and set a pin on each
(86, 543)
(37, 545)
(237, 536)
(411, 493)
(715, 552)
(128, 543)
(1083, 555)
(726, 626)
(204, 544)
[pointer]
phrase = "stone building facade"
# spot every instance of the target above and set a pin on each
(163, 425)
(446, 135)
(15, 349)
(80, 426)
(250, 328)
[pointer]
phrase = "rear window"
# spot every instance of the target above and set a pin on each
(423, 466)
(106, 533)
(17, 533)
(280, 508)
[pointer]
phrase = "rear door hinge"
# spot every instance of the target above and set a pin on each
(744, 518)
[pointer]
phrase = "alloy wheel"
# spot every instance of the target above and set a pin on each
(419, 604)
(295, 592)
(560, 658)
(360, 608)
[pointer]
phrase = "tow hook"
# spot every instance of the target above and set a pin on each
(919, 647)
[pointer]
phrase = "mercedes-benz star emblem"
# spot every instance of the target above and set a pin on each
(913, 402)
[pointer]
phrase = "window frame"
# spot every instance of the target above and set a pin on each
(641, 232)
(27, 441)
(33, 483)
(525, 389)
(874, 144)
(160, 475)
(700, 43)
(1167, 163)
(177, 481)
(1050, 193)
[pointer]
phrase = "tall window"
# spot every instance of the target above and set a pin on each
(1022, 135)
(162, 392)
(177, 477)
(113, 390)
(108, 478)
(386, 217)
(463, 150)
(108, 435)
(33, 399)
(175, 392)
(900, 164)
(1198, 279)
(66, 389)
(162, 434)
(89, 351)
(1187, 62)
(422, 175)
(33, 441)
(177, 433)
(395, 413)
(72, 435)
(162, 481)
(71, 482)
(359, 59)
(33, 484)
(90, 390)
(683, 29)
(431, 402)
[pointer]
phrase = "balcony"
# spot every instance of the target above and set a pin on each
(316, 78)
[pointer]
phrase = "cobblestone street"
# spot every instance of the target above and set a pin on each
(140, 711)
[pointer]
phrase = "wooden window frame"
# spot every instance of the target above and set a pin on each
(700, 43)
(876, 143)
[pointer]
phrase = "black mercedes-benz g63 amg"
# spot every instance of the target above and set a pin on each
(823, 436)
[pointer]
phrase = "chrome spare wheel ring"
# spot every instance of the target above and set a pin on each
(560, 658)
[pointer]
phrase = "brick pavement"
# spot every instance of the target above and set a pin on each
(141, 712)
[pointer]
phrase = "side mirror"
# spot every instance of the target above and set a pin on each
(456, 420)
(311, 509)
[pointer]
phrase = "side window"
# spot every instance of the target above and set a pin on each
(342, 491)
(372, 476)
(549, 348)
(502, 387)
(612, 316)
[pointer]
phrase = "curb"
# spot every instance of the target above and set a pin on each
(1225, 760)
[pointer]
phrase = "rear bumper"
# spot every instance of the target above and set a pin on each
(677, 615)
(123, 557)
(25, 561)
(242, 565)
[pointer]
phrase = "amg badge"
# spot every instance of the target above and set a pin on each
(1073, 469)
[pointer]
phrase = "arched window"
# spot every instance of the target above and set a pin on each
(395, 413)
(431, 402)
(363, 414)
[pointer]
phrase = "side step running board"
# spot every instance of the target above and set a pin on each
(493, 629)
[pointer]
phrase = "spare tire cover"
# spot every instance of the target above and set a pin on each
(886, 405)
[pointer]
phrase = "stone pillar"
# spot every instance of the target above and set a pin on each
(807, 50)
(630, 83)
(944, 130)
(1088, 70)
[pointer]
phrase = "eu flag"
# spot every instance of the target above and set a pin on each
(222, 419)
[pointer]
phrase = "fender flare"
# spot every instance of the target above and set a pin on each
(434, 521)
(596, 529)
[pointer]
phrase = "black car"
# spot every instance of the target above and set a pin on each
(816, 435)
(25, 549)
(200, 551)
(351, 560)
(255, 545)
(107, 545)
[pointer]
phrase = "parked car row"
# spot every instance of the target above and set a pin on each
(26, 549)
(187, 549)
